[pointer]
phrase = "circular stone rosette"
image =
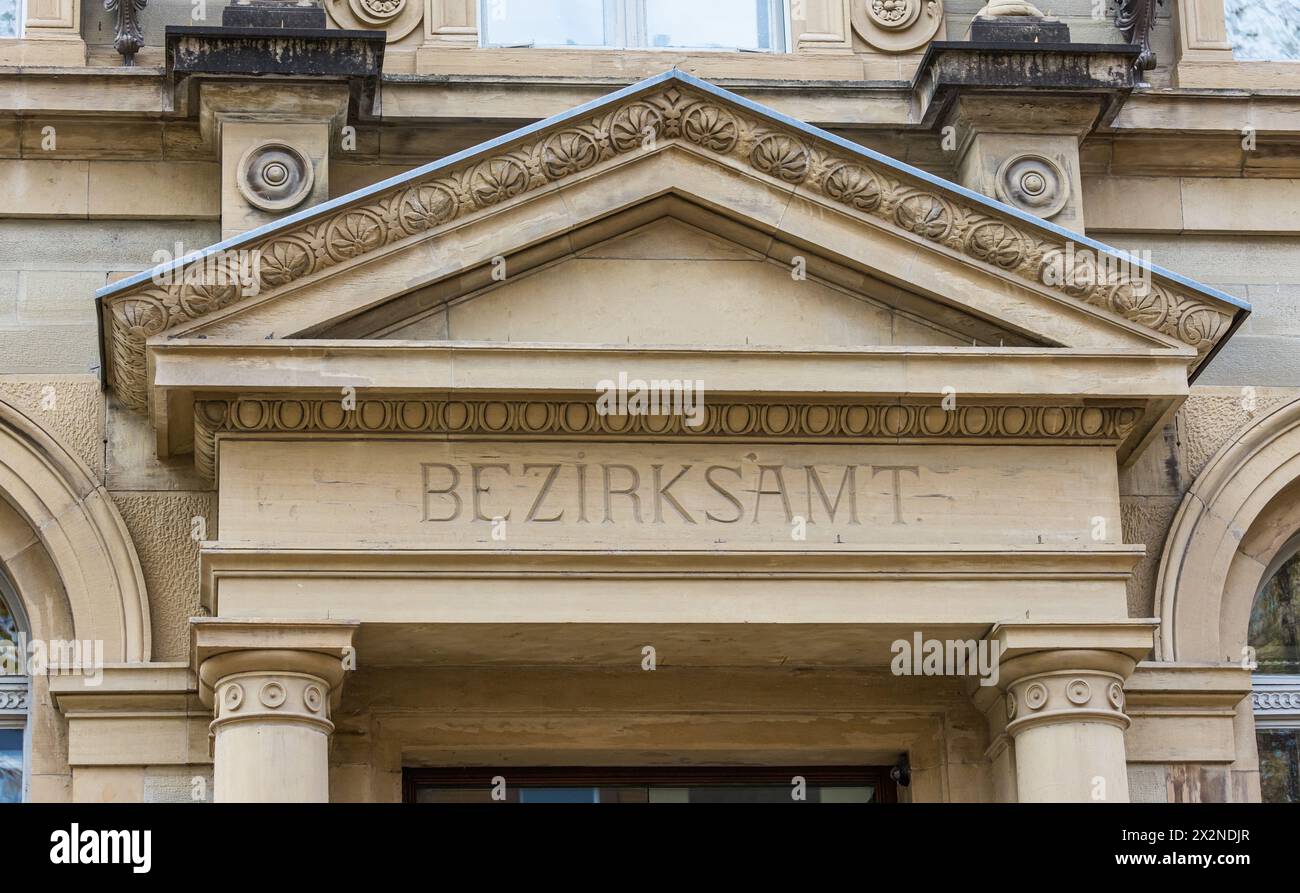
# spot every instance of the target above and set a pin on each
(274, 176)
(893, 15)
(896, 26)
(1033, 183)
(397, 18)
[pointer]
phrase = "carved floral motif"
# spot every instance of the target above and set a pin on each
(415, 209)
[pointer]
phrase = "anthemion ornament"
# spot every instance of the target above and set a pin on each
(129, 38)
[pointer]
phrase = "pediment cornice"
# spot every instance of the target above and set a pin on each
(671, 108)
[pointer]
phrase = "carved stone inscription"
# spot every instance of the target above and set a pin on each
(466, 494)
(746, 492)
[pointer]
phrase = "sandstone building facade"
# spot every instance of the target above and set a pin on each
(335, 465)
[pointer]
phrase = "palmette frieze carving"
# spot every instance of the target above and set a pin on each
(678, 115)
(853, 422)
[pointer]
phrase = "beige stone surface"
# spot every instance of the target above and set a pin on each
(527, 650)
(1212, 414)
(162, 526)
(118, 784)
(135, 189)
(1146, 520)
(44, 188)
(584, 496)
(70, 406)
(672, 284)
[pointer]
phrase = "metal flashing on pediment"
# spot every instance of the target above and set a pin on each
(687, 111)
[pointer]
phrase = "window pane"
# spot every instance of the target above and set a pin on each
(1274, 622)
(724, 24)
(543, 22)
(8, 18)
(8, 622)
(1263, 29)
(1279, 765)
(11, 765)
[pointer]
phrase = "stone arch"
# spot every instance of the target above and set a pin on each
(81, 533)
(1243, 509)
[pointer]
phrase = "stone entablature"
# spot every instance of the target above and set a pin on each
(672, 110)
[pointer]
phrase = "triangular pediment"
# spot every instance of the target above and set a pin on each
(673, 282)
(891, 253)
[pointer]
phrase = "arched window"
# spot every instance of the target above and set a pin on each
(13, 697)
(1274, 623)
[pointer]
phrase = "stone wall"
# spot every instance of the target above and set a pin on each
(49, 271)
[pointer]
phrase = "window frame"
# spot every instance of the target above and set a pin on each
(624, 27)
(21, 18)
(879, 777)
(18, 718)
(1275, 697)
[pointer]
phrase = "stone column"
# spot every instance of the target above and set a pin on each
(1065, 707)
(272, 685)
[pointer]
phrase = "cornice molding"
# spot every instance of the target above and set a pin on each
(672, 109)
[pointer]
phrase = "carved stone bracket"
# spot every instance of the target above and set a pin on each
(1135, 19)
(672, 115)
(128, 39)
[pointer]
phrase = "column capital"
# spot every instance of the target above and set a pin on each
(272, 685)
(221, 648)
(1062, 711)
(1068, 672)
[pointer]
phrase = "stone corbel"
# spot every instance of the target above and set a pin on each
(897, 26)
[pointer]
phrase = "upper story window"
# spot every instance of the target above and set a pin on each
(1263, 30)
(753, 25)
(11, 18)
